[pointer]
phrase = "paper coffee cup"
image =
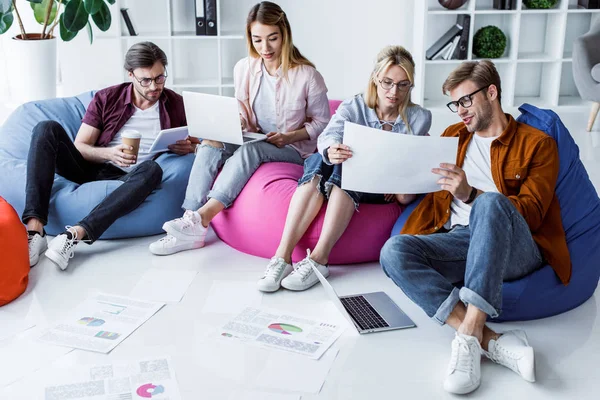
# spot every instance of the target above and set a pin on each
(131, 138)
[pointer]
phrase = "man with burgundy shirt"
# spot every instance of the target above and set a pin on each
(496, 219)
(97, 154)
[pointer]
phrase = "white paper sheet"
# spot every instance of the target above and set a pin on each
(101, 322)
(24, 354)
(154, 378)
(387, 162)
(294, 373)
(166, 286)
(231, 297)
(283, 331)
(10, 327)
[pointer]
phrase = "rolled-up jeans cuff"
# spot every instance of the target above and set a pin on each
(220, 197)
(444, 311)
(190, 204)
(470, 297)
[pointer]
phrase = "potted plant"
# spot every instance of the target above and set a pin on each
(31, 56)
(489, 42)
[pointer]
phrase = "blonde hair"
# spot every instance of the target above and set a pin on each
(482, 73)
(387, 57)
(268, 13)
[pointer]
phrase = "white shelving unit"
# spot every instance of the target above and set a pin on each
(196, 63)
(536, 66)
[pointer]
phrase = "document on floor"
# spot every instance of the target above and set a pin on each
(24, 354)
(167, 286)
(313, 372)
(280, 330)
(101, 322)
(154, 378)
(230, 297)
(387, 162)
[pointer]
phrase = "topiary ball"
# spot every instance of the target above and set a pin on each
(537, 4)
(489, 42)
(452, 4)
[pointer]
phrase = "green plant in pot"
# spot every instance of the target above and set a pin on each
(489, 42)
(540, 4)
(70, 16)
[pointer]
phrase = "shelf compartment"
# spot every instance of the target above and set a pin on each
(149, 19)
(506, 23)
(231, 52)
(539, 37)
(535, 83)
(574, 7)
(568, 93)
(437, 27)
(183, 17)
(196, 62)
(577, 25)
(488, 5)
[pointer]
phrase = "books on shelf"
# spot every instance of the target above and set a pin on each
(454, 44)
(206, 17)
(503, 4)
(128, 22)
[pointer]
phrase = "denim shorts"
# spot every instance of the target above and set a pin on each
(330, 175)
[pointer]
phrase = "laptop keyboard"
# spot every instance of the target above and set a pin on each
(363, 313)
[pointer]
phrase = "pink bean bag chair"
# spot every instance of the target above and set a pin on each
(255, 221)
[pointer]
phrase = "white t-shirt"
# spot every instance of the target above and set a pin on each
(264, 103)
(478, 169)
(146, 122)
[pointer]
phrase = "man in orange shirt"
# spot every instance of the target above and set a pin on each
(496, 219)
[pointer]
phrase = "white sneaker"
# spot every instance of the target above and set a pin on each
(37, 245)
(464, 370)
(275, 272)
(303, 276)
(61, 249)
(513, 351)
(188, 228)
(171, 245)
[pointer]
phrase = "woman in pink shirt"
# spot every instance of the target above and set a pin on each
(280, 94)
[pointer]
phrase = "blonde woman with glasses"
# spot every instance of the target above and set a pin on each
(386, 105)
(281, 94)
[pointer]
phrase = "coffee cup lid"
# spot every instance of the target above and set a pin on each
(131, 135)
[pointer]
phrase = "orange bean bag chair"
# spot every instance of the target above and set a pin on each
(14, 254)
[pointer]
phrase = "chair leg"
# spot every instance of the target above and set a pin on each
(595, 108)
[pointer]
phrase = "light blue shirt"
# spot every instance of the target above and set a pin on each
(355, 110)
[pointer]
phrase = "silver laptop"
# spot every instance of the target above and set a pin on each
(216, 118)
(368, 312)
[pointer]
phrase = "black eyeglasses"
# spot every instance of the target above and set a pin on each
(145, 82)
(403, 86)
(465, 101)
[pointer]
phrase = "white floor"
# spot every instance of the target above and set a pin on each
(408, 364)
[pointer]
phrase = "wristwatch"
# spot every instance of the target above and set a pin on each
(472, 195)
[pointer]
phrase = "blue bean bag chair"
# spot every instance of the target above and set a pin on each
(70, 202)
(541, 294)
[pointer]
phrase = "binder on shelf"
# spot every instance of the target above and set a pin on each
(503, 4)
(200, 18)
(441, 43)
(128, 22)
(450, 53)
(210, 12)
(461, 52)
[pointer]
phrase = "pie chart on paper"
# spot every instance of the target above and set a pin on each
(285, 329)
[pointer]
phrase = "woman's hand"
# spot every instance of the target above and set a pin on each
(338, 153)
(405, 199)
(182, 147)
(243, 123)
(212, 143)
(278, 139)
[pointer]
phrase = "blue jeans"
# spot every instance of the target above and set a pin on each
(238, 163)
(497, 246)
(331, 175)
(52, 150)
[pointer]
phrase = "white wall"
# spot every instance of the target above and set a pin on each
(342, 37)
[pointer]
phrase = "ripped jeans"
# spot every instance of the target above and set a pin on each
(332, 175)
